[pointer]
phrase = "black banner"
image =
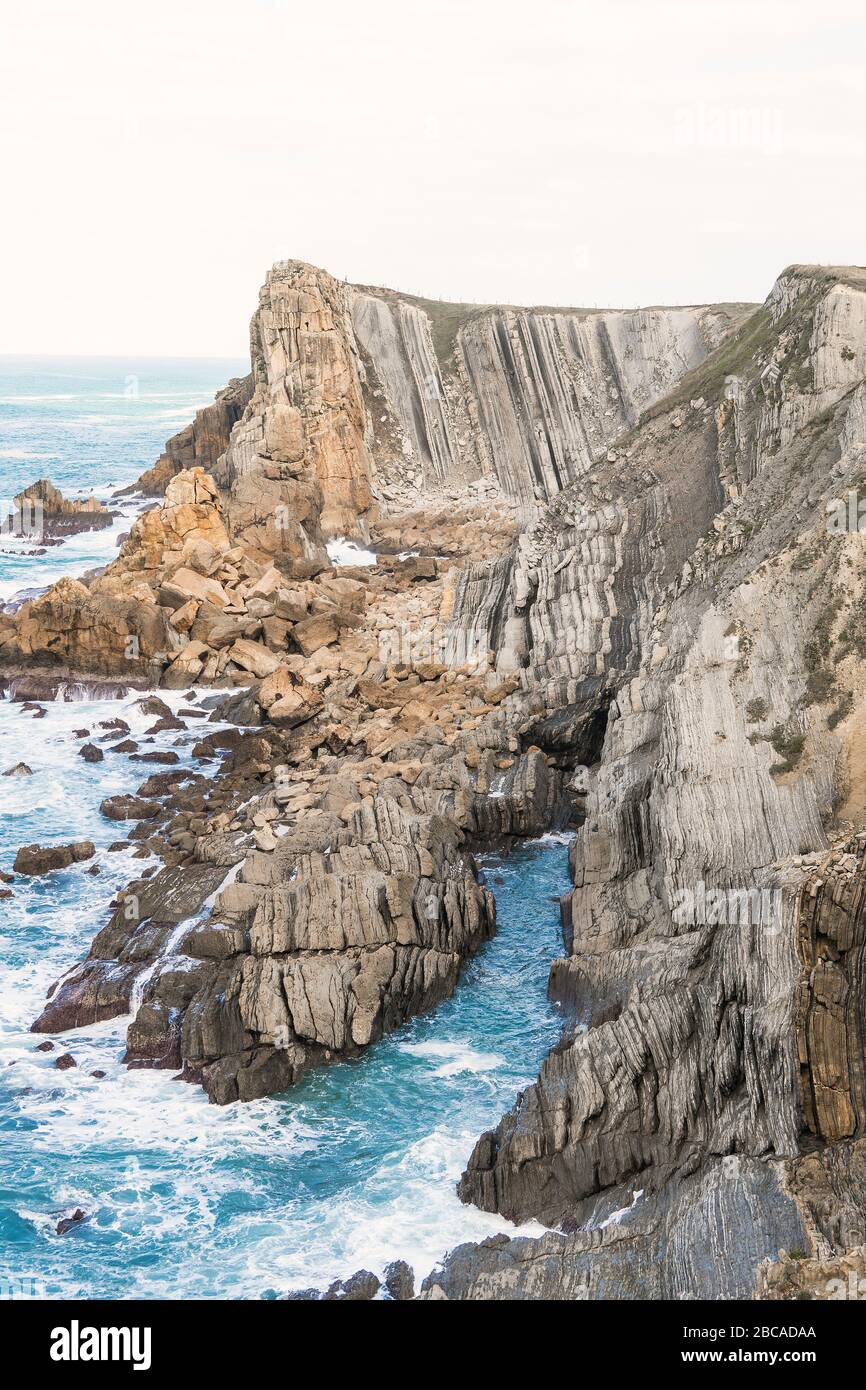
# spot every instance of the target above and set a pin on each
(67, 1339)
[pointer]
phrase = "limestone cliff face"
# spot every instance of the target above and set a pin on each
(731, 664)
(527, 397)
(305, 422)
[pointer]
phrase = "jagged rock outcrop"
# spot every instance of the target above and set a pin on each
(34, 860)
(48, 515)
(200, 444)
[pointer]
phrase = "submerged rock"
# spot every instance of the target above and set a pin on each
(68, 1223)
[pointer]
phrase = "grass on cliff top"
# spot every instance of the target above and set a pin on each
(739, 351)
(448, 317)
(742, 353)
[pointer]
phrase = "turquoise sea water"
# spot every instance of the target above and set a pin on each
(358, 1164)
(90, 424)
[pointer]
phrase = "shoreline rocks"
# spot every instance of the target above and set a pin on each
(34, 860)
(628, 619)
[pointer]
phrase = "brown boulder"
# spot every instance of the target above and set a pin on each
(42, 859)
(129, 808)
(253, 657)
(315, 632)
(295, 707)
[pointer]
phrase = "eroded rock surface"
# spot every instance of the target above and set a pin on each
(605, 596)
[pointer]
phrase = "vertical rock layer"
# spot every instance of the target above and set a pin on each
(628, 615)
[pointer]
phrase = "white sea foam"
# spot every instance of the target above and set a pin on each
(250, 1189)
(25, 454)
(345, 552)
(456, 1057)
(616, 1216)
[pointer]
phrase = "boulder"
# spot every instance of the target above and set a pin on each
(276, 685)
(400, 1281)
(315, 632)
(253, 657)
(129, 808)
(295, 707)
(186, 584)
(34, 860)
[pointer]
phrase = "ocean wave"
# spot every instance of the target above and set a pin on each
(25, 454)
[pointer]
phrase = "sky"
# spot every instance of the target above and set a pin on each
(158, 158)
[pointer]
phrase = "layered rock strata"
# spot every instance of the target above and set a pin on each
(625, 613)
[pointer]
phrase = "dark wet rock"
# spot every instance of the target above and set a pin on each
(242, 709)
(164, 783)
(61, 516)
(42, 859)
(400, 1281)
(360, 1287)
(127, 745)
(129, 808)
(68, 1223)
(6, 878)
(45, 1046)
(6, 893)
(99, 1074)
(166, 725)
(90, 995)
(94, 870)
(153, 1038)
(118, 726)
(81, 733)
(167, 759)
(19, 770)
(90, 753)
(65, 1061)
(152, 704)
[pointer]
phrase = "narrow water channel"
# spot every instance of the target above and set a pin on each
(355, 1167)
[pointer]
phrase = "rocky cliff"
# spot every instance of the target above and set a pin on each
(711, 939)
(605, 592)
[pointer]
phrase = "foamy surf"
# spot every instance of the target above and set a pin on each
(354, 1167)
(345, 552)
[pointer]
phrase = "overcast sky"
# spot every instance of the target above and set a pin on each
(158, 157)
